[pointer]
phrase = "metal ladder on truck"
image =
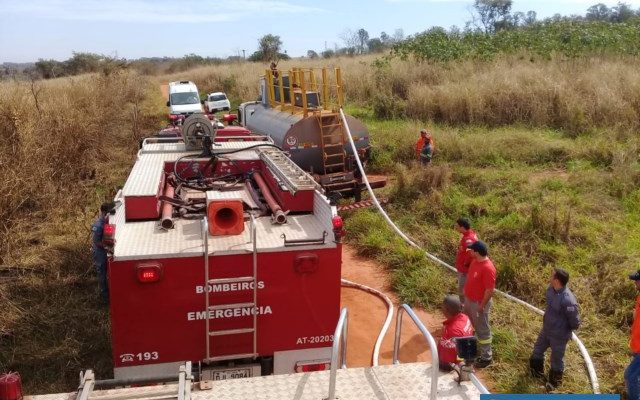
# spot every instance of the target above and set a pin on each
(286, 171)
(213, 308)
(120, 391)
(332, 140)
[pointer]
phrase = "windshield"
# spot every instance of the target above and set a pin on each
(179, 99)
(217, 97)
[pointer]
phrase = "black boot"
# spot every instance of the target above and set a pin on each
(536, 366)
(555, 380)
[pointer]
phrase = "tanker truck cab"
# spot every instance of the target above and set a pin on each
(183, 98)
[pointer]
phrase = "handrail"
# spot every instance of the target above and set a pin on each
(205, 240)
(339, 344)
(591, 371)
(254, 239)
(435, 362)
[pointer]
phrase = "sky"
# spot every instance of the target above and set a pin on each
(34, 29)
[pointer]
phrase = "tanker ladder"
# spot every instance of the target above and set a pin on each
(88, 383)
(213, 308)
(286, 171)
(332, 139)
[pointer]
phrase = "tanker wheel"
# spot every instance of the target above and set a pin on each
(357, 194)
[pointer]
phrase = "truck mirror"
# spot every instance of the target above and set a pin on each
(168, 104)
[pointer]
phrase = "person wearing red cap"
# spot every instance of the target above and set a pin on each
(632, 372)
(425, 147)
(478, 290)
(464, 256)
(456, 325)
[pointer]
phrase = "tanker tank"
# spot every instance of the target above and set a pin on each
(299, 110)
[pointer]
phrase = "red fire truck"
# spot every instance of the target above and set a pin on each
(224, 253)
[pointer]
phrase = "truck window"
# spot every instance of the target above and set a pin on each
(179, 99)
(218, 97)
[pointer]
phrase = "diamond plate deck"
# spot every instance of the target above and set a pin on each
(147, 240)
(388, 382)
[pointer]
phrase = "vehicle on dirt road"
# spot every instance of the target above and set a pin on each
(299, 110)
(217, 101)
(225, 254)
(183, 98)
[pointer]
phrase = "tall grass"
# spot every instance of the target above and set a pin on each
(66, 146)
(540, 199)
(575, 96)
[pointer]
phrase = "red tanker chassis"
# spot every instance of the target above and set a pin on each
(229, 258)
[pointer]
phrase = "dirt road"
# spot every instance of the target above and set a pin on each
(367, 313)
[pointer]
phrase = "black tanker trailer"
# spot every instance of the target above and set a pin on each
(299, 110)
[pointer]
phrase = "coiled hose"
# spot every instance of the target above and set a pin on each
(595, 385)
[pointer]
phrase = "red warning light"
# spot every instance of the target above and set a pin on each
(149, 273)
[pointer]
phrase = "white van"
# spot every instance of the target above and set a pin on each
(217, 101)
(183, 98)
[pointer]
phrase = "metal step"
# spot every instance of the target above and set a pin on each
(231, 305)
(333, 155)
(231, 332)
(231, 357)
(231, 280)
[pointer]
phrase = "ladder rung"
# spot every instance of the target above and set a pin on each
(231, 305)
(334, 165)
(231, 332)
(333, 155)
(232, 280)
(334, 145)
(231, 357)
(330, 125)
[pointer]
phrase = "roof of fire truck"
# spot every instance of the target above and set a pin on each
(392, 382)
(147, 239)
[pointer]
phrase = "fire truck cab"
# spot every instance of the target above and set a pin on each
(225, 254)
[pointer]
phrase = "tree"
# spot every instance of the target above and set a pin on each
(398, 35)
(598, 12)
(312, 54)
(269, 47)
(363, 38)
(49, 68)
(621, 13)
(493, 14)
(328, 53)
(350, 40)
(375, 45)
(385, 38)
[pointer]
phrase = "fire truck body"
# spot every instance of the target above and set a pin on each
(265, 299)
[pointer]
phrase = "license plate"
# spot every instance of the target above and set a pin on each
(235, 373)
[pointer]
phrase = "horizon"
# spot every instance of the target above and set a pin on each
(138, 28)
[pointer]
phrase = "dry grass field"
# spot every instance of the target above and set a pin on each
(543, 156)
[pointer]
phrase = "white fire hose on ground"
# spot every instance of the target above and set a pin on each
(583, 350)
(387, 321)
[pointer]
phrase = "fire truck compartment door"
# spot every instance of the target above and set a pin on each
(306, 263)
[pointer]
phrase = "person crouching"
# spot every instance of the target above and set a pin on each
(455, 325)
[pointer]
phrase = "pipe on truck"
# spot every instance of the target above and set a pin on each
(278, 215)
(167, 208)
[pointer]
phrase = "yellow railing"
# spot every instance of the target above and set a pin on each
(305, 90)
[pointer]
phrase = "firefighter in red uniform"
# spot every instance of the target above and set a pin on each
(478, 290)
(457, 324)
(425, 147)
(632, 373)
(464, 256)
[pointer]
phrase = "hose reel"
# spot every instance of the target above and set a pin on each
(198, 132)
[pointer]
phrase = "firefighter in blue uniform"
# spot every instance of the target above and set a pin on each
(561, 318)
(99, 251)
